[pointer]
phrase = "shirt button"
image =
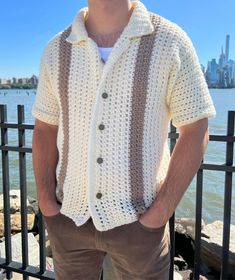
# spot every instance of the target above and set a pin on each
(99, 195)
(104, 95)
(101, 126)
(99, 160)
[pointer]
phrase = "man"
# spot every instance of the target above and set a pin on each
(109, 85)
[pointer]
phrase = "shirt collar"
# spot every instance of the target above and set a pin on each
(139, 24)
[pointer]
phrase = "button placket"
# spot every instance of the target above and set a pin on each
(100, 159)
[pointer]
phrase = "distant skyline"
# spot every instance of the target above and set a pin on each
(26, 28)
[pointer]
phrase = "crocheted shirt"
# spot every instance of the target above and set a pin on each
(113, 118)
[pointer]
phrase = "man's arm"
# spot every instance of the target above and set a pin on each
(184, 163)
(45, 158)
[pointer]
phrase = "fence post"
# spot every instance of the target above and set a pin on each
(227, 198)
(197, 257)
(6, 190)
(173, 137)
(23, 190)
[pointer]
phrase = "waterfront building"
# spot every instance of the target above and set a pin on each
(33, 80)
(212, 73)
(223, 73)
(3, 81)
(23, 81)
(231, 72)
(222, 59)
(14, 80)
(227, 48)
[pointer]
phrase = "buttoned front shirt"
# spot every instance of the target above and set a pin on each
(113, 118)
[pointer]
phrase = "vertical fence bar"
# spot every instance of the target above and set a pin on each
(23, 191)
(172, 219)
(102, 275)
(227, 198)
(42, 241)
(6, 191)
(197, 257)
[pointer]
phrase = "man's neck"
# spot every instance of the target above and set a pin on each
(106, 19)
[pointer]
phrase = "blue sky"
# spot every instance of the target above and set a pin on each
(26, 26)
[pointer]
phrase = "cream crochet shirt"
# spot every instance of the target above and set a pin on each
(113, 118)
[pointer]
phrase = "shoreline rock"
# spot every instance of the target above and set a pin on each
(211, 245)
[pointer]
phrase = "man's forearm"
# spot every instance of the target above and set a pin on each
(45, 158)
(184, 163)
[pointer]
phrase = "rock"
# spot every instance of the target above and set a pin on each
(211, 242)
(33, 255)
(17, 253)
(33, 204)
(180, 263)
(16, 249)
(47, 244)
(188, 275)
(16, 222)
(177, 276)
(17, 276)
(14, 201)
(184, 248)
(2, 274)
(49, 264)
(212, 246)
(187, 226)
(15, 212)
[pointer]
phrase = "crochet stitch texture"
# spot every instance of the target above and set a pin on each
(113, 118)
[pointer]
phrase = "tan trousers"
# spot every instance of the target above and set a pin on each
(136, 252)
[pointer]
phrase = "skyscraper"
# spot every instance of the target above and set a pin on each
(222, 59)
(227, 48)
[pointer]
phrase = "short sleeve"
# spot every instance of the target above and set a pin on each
(45, 106)
(188, 95)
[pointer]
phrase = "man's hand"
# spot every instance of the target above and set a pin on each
(50, 209)
(184, 164)
(157, 215)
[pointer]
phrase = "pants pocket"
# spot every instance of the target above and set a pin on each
(51, 217)
(162, 228)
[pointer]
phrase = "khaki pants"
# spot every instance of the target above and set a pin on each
(136, 251)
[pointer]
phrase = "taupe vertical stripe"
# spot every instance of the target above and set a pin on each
(64, 68)
(139, 92)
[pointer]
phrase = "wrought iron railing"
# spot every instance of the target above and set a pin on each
(40, 272)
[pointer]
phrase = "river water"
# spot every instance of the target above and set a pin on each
(213, 182)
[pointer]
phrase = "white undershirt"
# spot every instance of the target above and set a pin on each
(105, 52)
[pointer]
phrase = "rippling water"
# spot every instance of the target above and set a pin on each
(213, 183)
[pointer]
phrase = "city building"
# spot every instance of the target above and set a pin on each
(22, 81)
(14, 81)
(221, 74)
(33, 80)
(19, 83)
(227, 48)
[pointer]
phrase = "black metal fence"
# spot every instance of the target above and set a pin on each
(40, 272)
